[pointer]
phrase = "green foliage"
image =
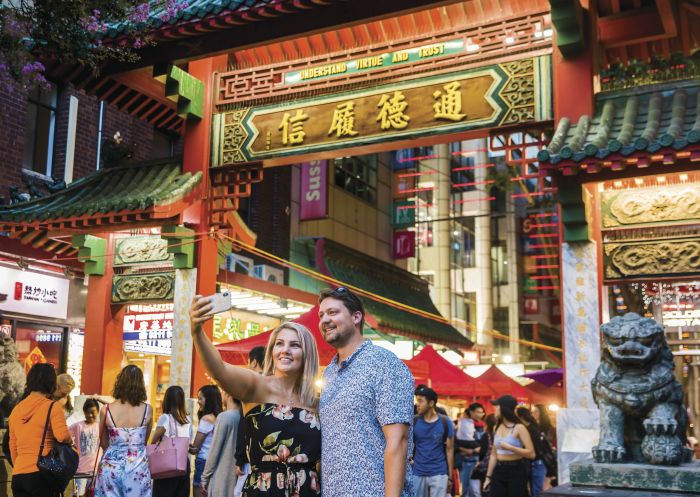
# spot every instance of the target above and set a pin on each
(72, 31)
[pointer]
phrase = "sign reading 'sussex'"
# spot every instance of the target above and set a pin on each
(507, 93)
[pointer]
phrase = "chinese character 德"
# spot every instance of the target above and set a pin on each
(392, 111)
(293, 128)
(449, 104)
(343, 120)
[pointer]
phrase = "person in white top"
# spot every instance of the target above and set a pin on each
(174, 422)
(210, 406)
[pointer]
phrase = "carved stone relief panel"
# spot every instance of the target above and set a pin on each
(651, 205)
(668, 257)
(143, 287)
(140, 249)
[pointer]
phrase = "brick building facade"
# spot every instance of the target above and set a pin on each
(16, 117)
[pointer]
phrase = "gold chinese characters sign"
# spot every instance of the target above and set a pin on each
(507, 93)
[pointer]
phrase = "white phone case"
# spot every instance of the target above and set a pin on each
(221, 302)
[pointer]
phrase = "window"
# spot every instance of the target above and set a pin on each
(463, 243)
(358, 176)
(462, 167)
(39, 130)
(500, 320)
(499, 264)
(162, 145)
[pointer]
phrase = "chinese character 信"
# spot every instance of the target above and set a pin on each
(449, 104)
(343, 120)
(392, 110)
(293, 128)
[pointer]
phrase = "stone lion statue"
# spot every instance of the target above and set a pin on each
(12, 375)
(642, 418)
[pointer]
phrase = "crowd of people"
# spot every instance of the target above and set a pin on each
(258, 429)
(458, 457)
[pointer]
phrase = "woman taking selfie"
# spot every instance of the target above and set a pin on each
(280, 406)
(508, 471)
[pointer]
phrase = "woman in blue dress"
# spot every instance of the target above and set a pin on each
(125, 426)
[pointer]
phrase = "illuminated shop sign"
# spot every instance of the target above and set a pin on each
(149, 332)
(682, 319)
(37, 294)
(377, 61)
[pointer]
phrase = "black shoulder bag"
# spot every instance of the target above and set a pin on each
(59, 466)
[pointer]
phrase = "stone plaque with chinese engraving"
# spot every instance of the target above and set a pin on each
(506, 93)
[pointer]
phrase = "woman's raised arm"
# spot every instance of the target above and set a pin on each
(241, 383)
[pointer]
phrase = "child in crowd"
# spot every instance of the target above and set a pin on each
(86, 436)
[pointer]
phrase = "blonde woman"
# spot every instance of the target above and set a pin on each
(280, 406)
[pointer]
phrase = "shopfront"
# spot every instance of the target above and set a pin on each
(43, 311)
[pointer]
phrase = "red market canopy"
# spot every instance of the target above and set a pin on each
(237, 352)
(503, 384)
(447, 379)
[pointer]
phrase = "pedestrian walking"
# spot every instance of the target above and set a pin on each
(433, 439)
(26, 427)
(366, 407)
(125, 426)
(507, 474)
(86, 437)
(486, 441)
(256, 359)
(217, 478)
(467, 443)
(538, 471)
(174, 422)
(280, 405)
(210, 405)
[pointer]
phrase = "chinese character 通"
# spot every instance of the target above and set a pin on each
(391, 114)
(343, 120)
(293, 128)
(449, 104)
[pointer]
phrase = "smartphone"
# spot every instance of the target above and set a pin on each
(220, 302)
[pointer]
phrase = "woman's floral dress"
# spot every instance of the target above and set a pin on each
(124, 468)
(284, 449)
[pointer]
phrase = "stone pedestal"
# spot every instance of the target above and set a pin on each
(683, 478)
(569, 490)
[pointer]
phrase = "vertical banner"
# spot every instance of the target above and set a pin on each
(314, 190)
(404, 244)
(182, 345)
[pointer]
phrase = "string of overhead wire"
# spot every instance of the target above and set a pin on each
(373, 296)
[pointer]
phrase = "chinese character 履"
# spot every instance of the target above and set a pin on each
(293, 128)
(392, 110)
(343, 120)
(449, 104)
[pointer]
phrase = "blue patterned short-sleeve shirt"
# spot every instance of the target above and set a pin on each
(368, 390)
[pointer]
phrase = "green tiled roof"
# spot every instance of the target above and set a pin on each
(626, 123)
(141, 187)
(393, 283)
(195, 11)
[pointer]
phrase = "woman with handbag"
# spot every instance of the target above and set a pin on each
(125, 425)
(173, 423)
(36, 423)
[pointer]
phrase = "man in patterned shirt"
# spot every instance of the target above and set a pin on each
(366, 408)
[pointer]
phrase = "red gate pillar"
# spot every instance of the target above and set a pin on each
(197, 154)
(102, 353)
